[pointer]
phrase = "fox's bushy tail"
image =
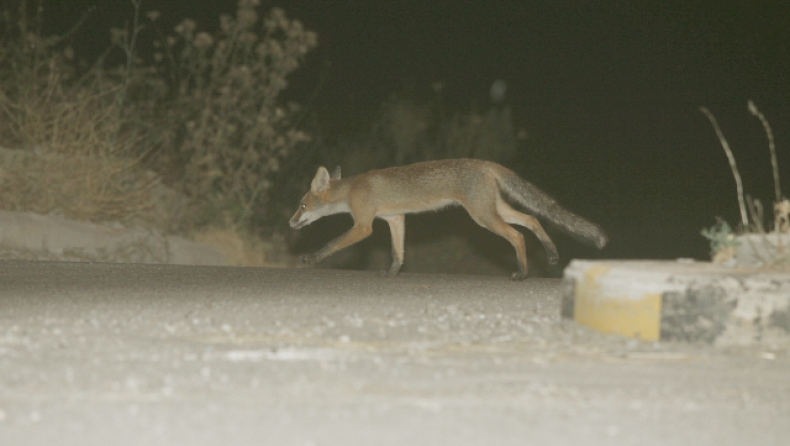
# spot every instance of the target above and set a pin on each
(537, 201)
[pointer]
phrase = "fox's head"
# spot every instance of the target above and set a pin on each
(315, 203)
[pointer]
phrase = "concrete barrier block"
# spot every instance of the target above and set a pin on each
(58, 237)
(679, 301)
(763, 250)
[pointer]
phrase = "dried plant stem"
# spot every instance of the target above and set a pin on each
(774, 163)
(733, 166)
(756, 211)
(129, 46)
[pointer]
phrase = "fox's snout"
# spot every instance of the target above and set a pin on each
(298, 220)
(305, 215)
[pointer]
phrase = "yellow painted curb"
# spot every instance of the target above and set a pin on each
(633, 316)
(679, 300)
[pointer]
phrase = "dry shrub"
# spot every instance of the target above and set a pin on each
(79, 186)
(752, 214)
(224, 129)
(770, 249)
(70, 156)
(202, 111)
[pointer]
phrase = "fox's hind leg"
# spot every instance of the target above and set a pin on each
(397, 230)
(484, 212)
(515, 217)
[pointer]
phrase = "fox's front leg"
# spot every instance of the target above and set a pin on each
(397, 229)
(353, 235)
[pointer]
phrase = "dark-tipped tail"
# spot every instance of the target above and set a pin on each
(537, 201)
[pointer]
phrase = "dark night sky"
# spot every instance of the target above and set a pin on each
(609, 94)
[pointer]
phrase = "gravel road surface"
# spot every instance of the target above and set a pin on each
(129, 354)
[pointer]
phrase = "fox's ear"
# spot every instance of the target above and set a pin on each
(336, 173)
(321, 180)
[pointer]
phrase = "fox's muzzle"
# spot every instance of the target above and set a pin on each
(297, 221)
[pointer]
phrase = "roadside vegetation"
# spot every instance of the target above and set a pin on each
(185, 129)
(723, 238)
(183, 134)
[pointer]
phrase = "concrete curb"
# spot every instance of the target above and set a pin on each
(53, 237)
(758, 250)
(679, 301)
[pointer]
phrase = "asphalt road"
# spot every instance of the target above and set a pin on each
(125, 354)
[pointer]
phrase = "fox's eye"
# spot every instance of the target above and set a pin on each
(303, 206)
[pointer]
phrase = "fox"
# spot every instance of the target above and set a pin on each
(478, 186)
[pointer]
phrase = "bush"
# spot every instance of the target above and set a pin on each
(202, 111)
(70, 156)
(722, 239)
(224, 130)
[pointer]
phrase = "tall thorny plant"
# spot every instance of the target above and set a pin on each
(223, 120)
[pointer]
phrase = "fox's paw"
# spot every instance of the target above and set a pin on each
(518, 276)
(553, 258)
(392, 272)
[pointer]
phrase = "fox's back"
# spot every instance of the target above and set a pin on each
(424, 186)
